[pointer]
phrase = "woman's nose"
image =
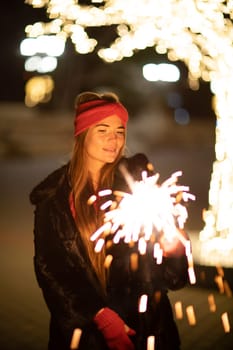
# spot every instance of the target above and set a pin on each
(112, 135)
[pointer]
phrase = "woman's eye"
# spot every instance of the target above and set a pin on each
(102, 130)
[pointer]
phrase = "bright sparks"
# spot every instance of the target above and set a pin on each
(150, 213)
(149, 208)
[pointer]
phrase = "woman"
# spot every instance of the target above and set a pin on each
(80, 292)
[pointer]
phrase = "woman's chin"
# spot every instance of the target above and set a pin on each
(110, 157)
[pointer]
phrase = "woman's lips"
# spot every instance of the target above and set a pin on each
(110, 150)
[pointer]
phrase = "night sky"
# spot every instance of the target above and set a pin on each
(15, 15)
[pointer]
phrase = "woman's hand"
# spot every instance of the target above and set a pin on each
(174, 246)
(114, 330)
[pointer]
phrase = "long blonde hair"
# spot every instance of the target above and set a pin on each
(88, 219)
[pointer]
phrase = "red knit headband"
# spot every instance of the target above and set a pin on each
(90, 113)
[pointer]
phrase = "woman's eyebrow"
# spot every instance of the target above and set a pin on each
(107, 125)
(102, 124)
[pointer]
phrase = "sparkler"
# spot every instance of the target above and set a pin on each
(150, 213)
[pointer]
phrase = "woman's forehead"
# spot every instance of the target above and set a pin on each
(110, 120)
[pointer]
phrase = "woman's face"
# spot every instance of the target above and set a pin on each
(104, 141)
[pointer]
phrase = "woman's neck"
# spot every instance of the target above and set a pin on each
(95, 184)
(94, 177)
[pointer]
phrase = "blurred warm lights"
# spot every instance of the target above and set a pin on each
(40, 64)
(41, 52)
(197, 32)
(38, 90)
(161, 72)
(44, 44)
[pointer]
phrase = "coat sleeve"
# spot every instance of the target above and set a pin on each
(171, 274)
(70, 288)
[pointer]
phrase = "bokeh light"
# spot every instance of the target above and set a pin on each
(38, 90)
(161, 72)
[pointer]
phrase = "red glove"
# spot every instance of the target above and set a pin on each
(114, 330)
(175, 247)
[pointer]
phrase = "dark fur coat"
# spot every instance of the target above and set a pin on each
(70, 287)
